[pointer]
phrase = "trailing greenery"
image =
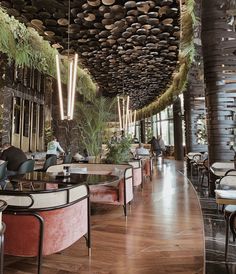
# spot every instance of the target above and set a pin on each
(118, 152)
(92, 118)
(27, 48)
(185, 58)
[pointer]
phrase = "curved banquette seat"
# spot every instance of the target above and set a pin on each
(119, 193)
(137, 172)
(45, 221)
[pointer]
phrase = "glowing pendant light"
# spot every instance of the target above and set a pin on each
(72, 62)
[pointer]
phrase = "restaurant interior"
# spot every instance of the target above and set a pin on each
(118, 136)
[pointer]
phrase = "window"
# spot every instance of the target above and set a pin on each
(16, 118)
(26, 119)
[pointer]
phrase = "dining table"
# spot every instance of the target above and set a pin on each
(220, 168)
(39, 190)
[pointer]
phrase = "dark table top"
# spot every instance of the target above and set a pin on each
(46, 181)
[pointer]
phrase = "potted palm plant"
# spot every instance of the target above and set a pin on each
(92, 120)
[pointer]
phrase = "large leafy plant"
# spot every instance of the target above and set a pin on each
(92, 119)
(118, 152)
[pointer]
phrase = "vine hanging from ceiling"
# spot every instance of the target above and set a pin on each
(27, 48)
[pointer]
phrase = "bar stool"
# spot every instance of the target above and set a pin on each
(3, 205)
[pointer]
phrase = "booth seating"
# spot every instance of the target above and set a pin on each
(45, 221)
(147, 165)
(119, 193)
(137, 172)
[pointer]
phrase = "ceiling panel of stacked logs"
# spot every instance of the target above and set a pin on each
(128, 46)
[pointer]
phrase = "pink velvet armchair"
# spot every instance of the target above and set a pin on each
(45, 223)
(118, 193)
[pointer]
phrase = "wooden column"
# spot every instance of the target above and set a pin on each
(194, 96)
(218, 37)
(178, 132)
(142, 131)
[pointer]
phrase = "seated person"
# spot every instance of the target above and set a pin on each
(115, 138)
(14, 156)
(140, 150)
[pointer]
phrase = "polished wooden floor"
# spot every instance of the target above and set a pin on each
(163, 234)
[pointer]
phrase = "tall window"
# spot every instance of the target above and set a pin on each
(163, 122)
(26, 119)
(17, 111)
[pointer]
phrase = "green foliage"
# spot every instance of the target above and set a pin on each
(27, 48)
(118, 152)
(91, 119)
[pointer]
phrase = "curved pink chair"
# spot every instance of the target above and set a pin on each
(118, 193)
(137, 173)
(46, 224)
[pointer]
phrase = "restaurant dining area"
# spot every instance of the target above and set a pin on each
(118, 137)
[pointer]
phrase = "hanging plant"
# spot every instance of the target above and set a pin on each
(27, 48)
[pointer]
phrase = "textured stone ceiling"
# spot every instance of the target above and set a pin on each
(128, 46)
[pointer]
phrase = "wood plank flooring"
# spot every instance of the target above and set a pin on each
(163, 234)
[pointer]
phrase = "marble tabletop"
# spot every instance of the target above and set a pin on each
(220, 168)
(52, 181)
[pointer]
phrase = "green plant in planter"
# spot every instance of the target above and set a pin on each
(118, 152)
(92, 118)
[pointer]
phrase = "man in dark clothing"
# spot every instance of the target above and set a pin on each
(14, 156)
(155, 146)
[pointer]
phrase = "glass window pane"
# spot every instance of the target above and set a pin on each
(171, 132)
(41, 117)
(165, 132)
(34, 118)
(164, 114)
(16, 118)
(26, 119)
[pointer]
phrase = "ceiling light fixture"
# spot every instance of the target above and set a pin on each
(72, 65)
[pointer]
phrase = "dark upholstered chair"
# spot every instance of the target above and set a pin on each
(27, 166)
(51, 161)
(67, 159)
(3, 170)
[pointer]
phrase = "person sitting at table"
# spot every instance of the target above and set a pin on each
(53, 148)
(140, 150)
(14, 156)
